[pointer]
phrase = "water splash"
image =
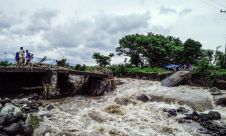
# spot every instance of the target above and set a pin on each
(88, 115)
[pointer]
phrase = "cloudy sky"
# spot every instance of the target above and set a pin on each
(75, 29)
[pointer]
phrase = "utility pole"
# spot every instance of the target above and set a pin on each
(225, 49)
(222, 11)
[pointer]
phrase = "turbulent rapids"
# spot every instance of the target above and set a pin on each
(135, 108)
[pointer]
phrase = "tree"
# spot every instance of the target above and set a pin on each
(80, 67)
(220, 59)
(62, 63)
(102, 60)
(151, 49)
(5, 63)
(129, 47)
(208, 54)
(192, 51)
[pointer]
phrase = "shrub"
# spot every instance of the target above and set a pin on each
(118, 70)
(5, 63)
(80, 67)
(62, 63)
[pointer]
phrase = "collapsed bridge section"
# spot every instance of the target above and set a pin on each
(17, 80)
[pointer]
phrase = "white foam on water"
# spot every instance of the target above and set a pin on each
(140, 119)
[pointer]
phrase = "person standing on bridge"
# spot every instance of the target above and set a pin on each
(20, 56)
(17, 58)
(23, 57)
(28, 57)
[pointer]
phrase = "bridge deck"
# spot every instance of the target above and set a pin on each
(174, 79)
(45, 70)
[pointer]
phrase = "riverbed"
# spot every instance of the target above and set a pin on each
(104, 115)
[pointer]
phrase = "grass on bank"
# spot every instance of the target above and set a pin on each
(121, 69)
(145, 70)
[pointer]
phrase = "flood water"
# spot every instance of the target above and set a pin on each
(95, 116)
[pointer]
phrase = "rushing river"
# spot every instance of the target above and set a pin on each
(95, 116)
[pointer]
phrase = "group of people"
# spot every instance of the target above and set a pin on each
(183, 67)
(23, 57)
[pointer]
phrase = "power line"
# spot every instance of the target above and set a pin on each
(223, 11)
(219, 3)
(209, 4)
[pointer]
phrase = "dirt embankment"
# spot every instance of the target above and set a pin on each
(147, 76)
(195, 80)
(198, 80)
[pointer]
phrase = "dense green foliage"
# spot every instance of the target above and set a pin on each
(118, 70)
(5, 63)
(102, 60)
(145, 70)
(191, 52)
(157, 50)
(80, 67)
(209, 72)
(62, 63)
(149, 53)
(121, 69)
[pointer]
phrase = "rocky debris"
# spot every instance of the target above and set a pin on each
(54, 94)
(174, 112)
(212, 115)
(215, 91)
(213, 128)
(2, 119)
(28, 129)
(180, 120)
(43, 114)
(124, 101)
(221, 102)
(12, 113)
(204, 117)
(1, 106)
(182, 110)
(5, 100)
(206, 120)
(50, 107)
(143, 98)
(32, 106)
(171, 112)
(118, 82)
(13, 116)
(20, 101)
(34, 97)
(13, 129)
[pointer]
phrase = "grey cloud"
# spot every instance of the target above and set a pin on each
(96, 32)
(77, 39)
(164, 10)
(7, 20)
(99, 33)
(41, 20)
(122, 23)
(185, 12)
(27, 24)
(161, 30)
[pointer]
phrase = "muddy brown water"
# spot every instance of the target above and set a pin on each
(80, 115)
